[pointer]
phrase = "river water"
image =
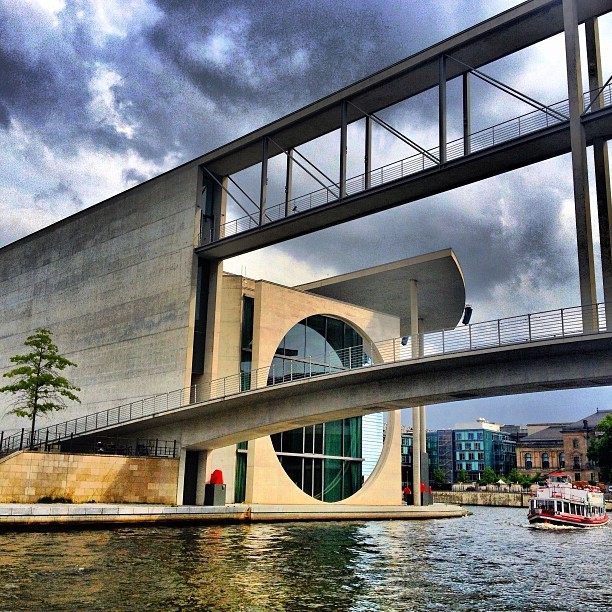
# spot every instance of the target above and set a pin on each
(488, 561)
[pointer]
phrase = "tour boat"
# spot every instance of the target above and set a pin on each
(562, 502)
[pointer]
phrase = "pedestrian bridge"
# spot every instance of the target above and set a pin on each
(529, 138)
(560, 349)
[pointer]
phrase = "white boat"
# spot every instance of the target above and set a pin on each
(567, 503)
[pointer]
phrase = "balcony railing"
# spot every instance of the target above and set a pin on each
(498, 333)
(478, 141)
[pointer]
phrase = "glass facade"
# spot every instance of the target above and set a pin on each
(476, 450)
(324, 460)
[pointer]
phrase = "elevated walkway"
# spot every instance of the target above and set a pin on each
(561, 349)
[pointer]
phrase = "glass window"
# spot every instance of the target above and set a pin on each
(333, 480)
(293, 441)
(311, 347)
(293, 467)
(545, 461)
(575, 443)
(333, 439)
(562, 460)
(528, 461)
(315, 339)
(248, 309)
(318, 439)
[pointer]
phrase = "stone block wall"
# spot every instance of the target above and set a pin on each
(28, 476)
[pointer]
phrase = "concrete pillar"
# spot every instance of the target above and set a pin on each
(219, 208)
(343, 148)
(416, 410)
(213, 325)
(586, 267)
(180, 485)
(202, 476)
(602, 168)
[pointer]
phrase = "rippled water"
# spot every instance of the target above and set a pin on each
(488, 561)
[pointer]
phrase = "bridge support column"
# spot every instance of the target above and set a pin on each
(467, 115)
(417, 411)
(288, 182)
(368, 153)
(442, 108)
(180, 485)
(343, 148)
(584, 236)
(602, 168)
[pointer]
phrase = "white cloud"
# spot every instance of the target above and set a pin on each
(104, 105)
(51, 7)
(277, 267)
(119, 18)
(32, 197)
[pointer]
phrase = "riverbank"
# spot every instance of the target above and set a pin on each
(482, 498)
(488, 498)
(37, 516)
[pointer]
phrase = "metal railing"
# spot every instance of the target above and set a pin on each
(478, 141)
(522, 329)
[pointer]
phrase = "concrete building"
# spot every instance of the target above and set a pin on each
(262, 331)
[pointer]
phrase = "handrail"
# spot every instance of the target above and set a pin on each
(520, 329)
(480, 140)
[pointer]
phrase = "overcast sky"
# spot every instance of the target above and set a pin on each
(99, 95)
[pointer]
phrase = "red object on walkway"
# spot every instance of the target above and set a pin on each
(216, 477)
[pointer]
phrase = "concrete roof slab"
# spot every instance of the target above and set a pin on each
(386, 288)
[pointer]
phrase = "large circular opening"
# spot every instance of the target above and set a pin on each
(329, 461)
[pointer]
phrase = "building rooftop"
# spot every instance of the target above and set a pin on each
(548, 434)
(591, 421)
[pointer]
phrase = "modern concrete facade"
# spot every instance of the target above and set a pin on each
(116, 285)
(134, 290)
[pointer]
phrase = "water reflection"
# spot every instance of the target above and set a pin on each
(488, 561)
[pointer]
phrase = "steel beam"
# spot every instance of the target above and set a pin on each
(467, 114)
(442, 108)
(343, 148)
(264, 181)
(288, 181)
(602, 168)
(584, 236)
(368, 153)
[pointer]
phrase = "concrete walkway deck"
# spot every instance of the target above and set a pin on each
(35, 516)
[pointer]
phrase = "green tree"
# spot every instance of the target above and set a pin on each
(515, 476)
(488, 476)
(439, 477)
(600, 448)
(463, 476)
(38, 386)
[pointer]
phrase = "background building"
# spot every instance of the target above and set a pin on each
(469, 446)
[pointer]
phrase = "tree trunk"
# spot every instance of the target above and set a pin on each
(32, 432)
